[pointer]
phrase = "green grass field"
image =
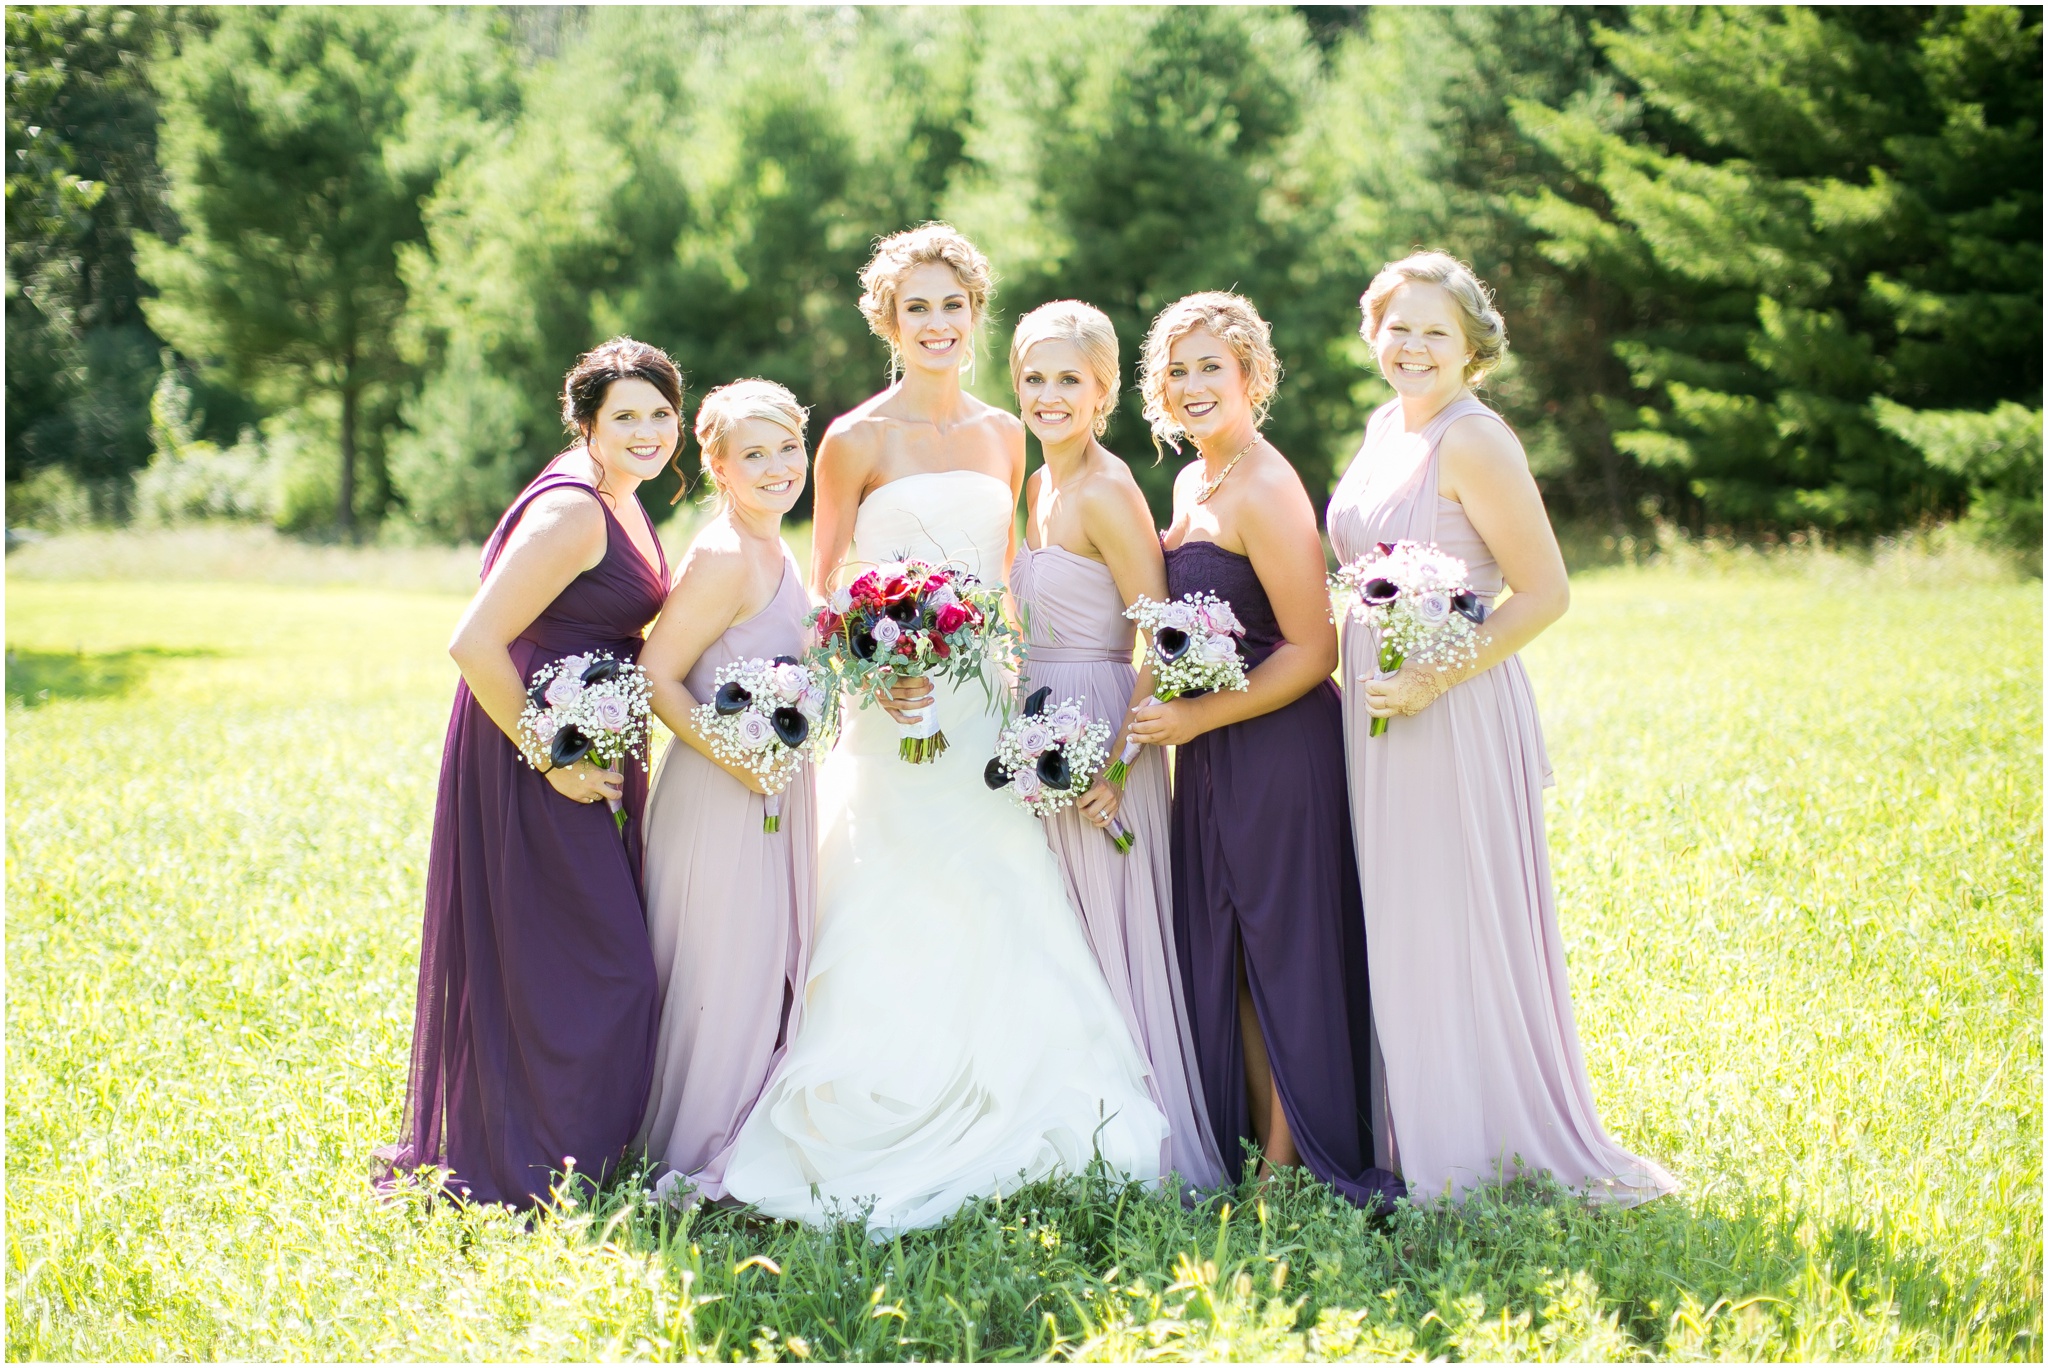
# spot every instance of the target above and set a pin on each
(1797, 839)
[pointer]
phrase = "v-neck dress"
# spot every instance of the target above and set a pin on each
(533, 1035)
(1482, 1066)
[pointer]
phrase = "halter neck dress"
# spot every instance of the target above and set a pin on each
(1078, 643)
(533, 1033)
(1263, 873)
(1474, 1016)
(729, 910)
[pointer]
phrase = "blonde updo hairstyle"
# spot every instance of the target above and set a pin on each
(899, 254)
(1233, 319)
(1486, 332)
(726, 407)
(1088, 328)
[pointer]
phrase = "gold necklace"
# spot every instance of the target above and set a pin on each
(1211, 486)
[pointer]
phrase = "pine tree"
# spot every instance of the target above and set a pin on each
(1810, 211)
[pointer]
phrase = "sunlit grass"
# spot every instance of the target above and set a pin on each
(1796, 836)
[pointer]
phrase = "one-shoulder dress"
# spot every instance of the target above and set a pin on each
(533, 1033)
(1482, 1063)
(1263, 872)
(729, 909)
(1078, 643)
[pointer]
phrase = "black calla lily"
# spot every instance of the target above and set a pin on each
(598, 671)
(903, 611)
(1467, 605)
(784, 660)
(1053, 769)
(538, 694)
(1380, 591)
(994, 775)
(1171, 643)
(1035, 704)
(569, 746)
(731, 698)
(862, 645)
(792, 728)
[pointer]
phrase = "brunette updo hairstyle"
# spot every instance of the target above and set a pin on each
(899, 254)
(622, 358)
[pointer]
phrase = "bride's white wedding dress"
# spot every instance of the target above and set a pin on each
(957, 1038)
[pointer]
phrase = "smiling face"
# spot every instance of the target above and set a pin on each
(934, 318)
(1205, 386)
(760, 467)
(636, 431)
(1420, 344)
(1057, 391)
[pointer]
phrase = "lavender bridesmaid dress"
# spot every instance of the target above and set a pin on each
(1482, 1061)
(729, 910)
(1079, 644)
(534, 1028)
(1263, 872)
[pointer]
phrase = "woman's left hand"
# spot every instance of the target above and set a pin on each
(1404, 693)
(1165, 724)
(1100, 803)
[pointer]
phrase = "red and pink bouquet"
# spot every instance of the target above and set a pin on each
(1420, 601)
(907, 620)
(1046, 759)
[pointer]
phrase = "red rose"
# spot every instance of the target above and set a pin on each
(951, 618)
(866, 586)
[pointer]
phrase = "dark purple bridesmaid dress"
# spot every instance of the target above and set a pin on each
(1263, 869)
(533, 1040)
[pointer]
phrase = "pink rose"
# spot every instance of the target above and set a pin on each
(1027, 783)
(609, 712)
(1178, 616)
(1222, 618)
(951, 618)
(790, 681)
(943, 594)
(1066, 722)
(754, 731)
(886, 632)
(1033, 737)
(565, 688)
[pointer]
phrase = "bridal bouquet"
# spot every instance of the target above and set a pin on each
(907, 620)
(767, 716)
(1046, 760)
(1420, 602)
(1191, 643)
(588, 707)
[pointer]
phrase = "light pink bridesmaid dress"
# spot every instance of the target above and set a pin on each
(1473, 1014)
(1079, 644)
(729, 911)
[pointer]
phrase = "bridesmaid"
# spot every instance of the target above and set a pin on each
(729, 905)
(534, 1029)
(1265, 893)
(1482, 1063)
(1089, 551)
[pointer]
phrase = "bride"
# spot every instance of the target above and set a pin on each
(956, 1038)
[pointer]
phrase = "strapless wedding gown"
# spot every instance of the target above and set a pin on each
(957, 1039)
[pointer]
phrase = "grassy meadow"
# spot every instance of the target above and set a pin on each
(1796, 834)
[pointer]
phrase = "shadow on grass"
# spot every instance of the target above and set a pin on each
(1094, 1269)
(38, 677)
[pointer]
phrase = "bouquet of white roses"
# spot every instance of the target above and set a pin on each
(1191, 643)
(1045, 760)
(587, 707)
(906, 620)
(1420, 601)
(768, 716)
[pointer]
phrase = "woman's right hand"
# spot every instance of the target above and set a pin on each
(584, 782)
(906, 699)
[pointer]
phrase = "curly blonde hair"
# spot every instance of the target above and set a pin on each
(1486, 332)
(1087, 327)
(899, 254)
(726, 407)
(1233, 319)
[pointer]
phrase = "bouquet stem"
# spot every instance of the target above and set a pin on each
(772, 806)
(922, 741)
(1121, 836)
(618, 815)
(1390, 661)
